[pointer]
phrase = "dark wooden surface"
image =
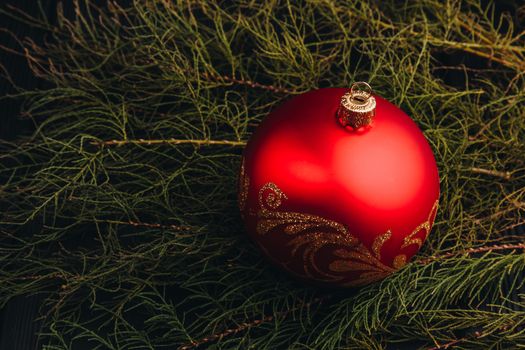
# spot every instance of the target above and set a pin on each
(19, 319)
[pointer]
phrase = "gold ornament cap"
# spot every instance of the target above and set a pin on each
(357, 107)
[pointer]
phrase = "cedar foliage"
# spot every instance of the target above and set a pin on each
(121, 206)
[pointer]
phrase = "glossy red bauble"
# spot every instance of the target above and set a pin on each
(336, 206)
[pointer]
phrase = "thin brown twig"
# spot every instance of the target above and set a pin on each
(475, 335)
(148, 225)
(253, 84)
(490, 57)
(227, 332)
(39, 277)
(447, 345)
(515, 206)
(247, 325)
(170, 142)
(463, 67)
(511, 226)
(506, 175)
(469, 251)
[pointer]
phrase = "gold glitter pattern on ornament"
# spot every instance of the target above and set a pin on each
(379, 241)
(426, 226)
(271, 196)
(312, 242)
(311, 233)
(360, 260)
(399, 261)
(244, 185)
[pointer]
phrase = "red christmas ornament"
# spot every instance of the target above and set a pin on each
(339, 187)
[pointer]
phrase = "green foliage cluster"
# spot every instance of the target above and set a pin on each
(138, 244)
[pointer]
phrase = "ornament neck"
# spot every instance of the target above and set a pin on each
(357, 108)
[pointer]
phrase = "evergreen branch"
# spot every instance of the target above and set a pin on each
(505, 54)
(255, 323)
